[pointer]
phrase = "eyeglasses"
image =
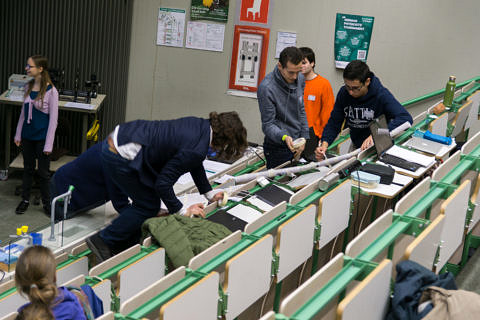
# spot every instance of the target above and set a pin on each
(353, 89)
(29, 67)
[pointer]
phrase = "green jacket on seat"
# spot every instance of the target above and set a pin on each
(183, 237)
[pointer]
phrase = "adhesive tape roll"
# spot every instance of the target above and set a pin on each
(297, 143)
(223, 202)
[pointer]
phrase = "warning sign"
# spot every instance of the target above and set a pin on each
(254, 11)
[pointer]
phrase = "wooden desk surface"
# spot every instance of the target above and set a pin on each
(97, 102)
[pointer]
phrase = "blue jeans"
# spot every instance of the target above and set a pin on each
(276, 154)
(125, 230)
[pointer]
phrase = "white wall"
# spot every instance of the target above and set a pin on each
(415, 46)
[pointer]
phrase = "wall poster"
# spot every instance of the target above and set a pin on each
(249, 55)
(214, 10)
(352, 38)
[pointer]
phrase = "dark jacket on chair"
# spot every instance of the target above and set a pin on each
(170, 148)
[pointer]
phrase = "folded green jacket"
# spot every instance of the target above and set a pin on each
(183, 237)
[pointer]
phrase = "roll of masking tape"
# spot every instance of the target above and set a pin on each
(297, 143)
(223, 202)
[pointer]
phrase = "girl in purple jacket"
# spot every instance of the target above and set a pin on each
(35, 278)
(36, 129)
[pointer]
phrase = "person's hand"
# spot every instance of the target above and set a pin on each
(289, 142)
(298, 152)
(162, 213)
(18, 142)
(218, 196)
(320, 151)
(195, 210)
(46, 153)
(367, 143)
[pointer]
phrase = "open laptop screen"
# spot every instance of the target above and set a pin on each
(381, 135)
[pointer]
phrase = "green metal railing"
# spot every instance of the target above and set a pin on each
(408, 223)
(427, 96)
(355, 268)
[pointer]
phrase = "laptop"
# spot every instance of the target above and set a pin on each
(384, 142)
(424, 145)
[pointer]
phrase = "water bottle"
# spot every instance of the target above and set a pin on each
(449, 92)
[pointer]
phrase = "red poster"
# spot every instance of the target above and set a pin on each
(249, 58)
(255, 11)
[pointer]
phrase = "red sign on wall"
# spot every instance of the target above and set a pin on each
(255, 11)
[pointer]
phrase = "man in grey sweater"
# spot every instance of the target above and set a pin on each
(280, 98)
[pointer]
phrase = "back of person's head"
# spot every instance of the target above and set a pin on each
(357, 70)
(229, 136)
(308, 54)
(292, 55)
(35, 311)
(35, 277)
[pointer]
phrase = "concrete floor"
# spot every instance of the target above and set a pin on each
(70, 231)
(35, 217)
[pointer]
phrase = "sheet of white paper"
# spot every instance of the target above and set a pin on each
(188, 199)
(285, 39)
(16, 95)
(235, 199)
(170, 27)
(205, 36)
(262, 205)
(408, 155)
(80, 105)
(215, 166)
(244, 213)
(187, 177)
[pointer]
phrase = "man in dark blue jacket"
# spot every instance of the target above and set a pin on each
(359, 101)
(145, 159)
(92, 187)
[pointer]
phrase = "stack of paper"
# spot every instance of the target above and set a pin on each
(245, 213)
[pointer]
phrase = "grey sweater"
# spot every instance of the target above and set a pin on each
(281, 107)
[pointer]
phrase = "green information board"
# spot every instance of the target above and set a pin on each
(215, 10)
(352, 38)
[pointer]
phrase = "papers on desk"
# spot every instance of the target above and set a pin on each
(188, 199)
(77, 105)
(412, 156)
(215, 166)
(211, 168)
(260, 204)
(187, 177)
(16, 95)
(245, 213)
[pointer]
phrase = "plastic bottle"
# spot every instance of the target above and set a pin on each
(449, 92)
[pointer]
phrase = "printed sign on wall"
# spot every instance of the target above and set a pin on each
(352, 38)
(214, 10)
(249, 54)
(255, 11)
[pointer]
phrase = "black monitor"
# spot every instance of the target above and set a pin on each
(381, 135)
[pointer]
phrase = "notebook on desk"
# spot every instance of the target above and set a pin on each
(273, 194)
(388, 153)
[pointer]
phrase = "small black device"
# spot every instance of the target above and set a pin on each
(385, 173)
